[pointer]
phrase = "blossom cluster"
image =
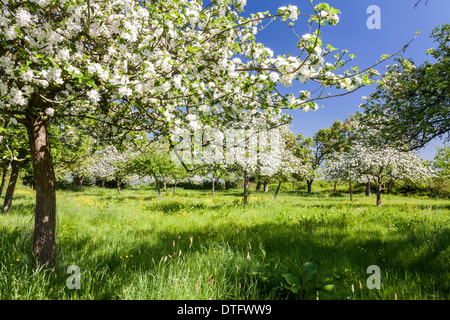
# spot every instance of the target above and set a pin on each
(364, 163)
(162, 64)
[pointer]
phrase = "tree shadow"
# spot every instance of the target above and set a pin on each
(326, 241)
(407, 252)
(21, 209)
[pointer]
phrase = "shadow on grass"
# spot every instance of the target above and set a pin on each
(21, 209)
(411, 248)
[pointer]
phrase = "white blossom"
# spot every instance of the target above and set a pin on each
(94, 96)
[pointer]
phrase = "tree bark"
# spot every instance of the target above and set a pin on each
(390, 184)
(15, 167)
(118, 184)
(379, 192)
(158, 186)
(351, 190)
(175, 186)
(368, 189)
(5, 172)
(278, 189)
(246, 188)
(293, 185)
(258, 186)
(80, 181)
(380, 186)
(213, 189)
(44, 247)
(309, 184)
(266, 186)
(335, 184)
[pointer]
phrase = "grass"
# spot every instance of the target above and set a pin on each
(195, 246)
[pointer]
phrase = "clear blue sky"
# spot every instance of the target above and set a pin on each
(399, 22)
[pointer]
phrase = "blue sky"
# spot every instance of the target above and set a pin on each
(399, 22)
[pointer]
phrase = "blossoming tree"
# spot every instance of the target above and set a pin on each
(147, 65)
(411, 102)
(152, 159)
(110, 163)
(366, 158)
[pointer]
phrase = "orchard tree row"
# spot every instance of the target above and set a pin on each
(345, 152)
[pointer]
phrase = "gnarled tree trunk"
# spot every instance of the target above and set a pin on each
(80, 181)
(15, 167)
(380, 186)
(245, 188)
(118, 184)
(158, 186)
(175, 186)
(309, 184)
(351, 190)
(44, 248)
(379, 195)
(258, 186)
(278, 190)
(368, 189)
(2, 185)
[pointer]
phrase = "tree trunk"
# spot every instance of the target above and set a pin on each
(103, 183)
(15, 167)
(258, 186)
(158, 186)
(390, 184)
(335, 184)
(266, 186)
(44, 247)
(175, 186)
(278, 189)
(293, 185)
(227, 184)
(351, 190)
(80, 181)
(245, 188)
(213, 189)
(5, 171)
(309, 184)
(379, 193)
(118, 184)
(368, 189)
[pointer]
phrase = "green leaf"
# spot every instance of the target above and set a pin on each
(310, 268)
(291, 279)
(328, 287)
(325, 296)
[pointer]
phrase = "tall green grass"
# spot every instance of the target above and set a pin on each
(195, 246)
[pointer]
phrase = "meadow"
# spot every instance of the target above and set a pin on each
(191, 245)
